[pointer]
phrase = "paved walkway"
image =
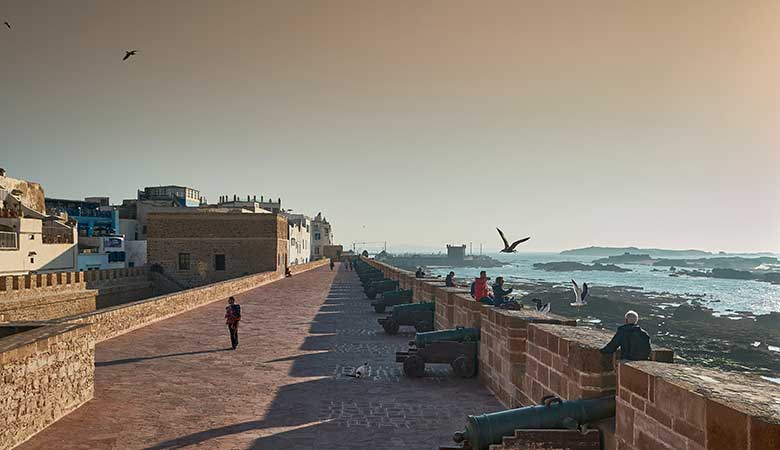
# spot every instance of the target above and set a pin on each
(174, 385)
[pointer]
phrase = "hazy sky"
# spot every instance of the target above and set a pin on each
(652, 123)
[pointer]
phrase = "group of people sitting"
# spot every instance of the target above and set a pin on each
(495, 295)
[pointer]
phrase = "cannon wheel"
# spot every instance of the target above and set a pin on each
(391, 326)
(379, 308)
(463, 366)
(414, 366)
(423, 326)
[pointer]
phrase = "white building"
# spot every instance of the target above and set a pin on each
(299, 241)
(321, 235)
(30, 240)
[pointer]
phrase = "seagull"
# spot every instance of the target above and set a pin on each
(580, 294)
(7, 24)
(129, 54)
(361, 372)
(541, 308)
(510, 248)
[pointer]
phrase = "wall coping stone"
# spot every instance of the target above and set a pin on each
(43, 332)
(744, 393)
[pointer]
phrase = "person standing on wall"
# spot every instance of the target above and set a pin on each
(232, 317)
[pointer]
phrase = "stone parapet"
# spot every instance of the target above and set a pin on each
(45, 373)
(671, 406)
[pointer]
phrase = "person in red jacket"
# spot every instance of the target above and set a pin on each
(232, 317)
(481, 292)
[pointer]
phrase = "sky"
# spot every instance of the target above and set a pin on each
(647, 123)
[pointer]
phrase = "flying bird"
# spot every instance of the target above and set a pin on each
(542, 308)
(361, 372)
(580, 294)
(129, 54)
(7, 24)
(510, 248)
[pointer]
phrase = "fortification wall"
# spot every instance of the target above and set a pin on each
(46, 372)
(37, 297)
(525, 355)
(114, 321)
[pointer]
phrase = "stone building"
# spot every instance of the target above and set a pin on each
(321, 235)
(199, 246)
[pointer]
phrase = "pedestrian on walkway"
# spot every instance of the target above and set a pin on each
(331, 265)
(232, 317)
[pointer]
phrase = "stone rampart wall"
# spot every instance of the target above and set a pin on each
(45, 373)
(525, 355)
(38, 297)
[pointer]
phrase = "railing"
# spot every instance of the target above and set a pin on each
(57, 235)
(8, 240)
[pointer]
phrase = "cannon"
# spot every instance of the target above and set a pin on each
(392, 298)
(369, 277)
(418, 315)
(378, 287)
(486, 429)
(457, 347)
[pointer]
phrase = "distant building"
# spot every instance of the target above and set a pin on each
(100, 242)
(321, 235)
(332, 251)
(31, 240)
(299, 238)
(182, 195)
(456, 253)
(193, 247)
(251, 203)
(93, 214)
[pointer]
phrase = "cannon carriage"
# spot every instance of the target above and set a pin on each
(392, 298)
(484, 430)
(418, 315)
(457, 347)
(379, 287)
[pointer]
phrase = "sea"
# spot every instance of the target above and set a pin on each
(722, 295)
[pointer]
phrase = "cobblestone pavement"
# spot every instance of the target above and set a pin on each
(174, 385)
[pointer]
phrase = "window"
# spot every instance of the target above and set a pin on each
(316, 236)
(143, 230)
(184, 261)
(219, 262)
(131, 264)
(316, 250)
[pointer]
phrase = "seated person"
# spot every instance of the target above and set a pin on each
(481, 292)
(631, 339)
(499, 292)
(449, 281)
(419, 273)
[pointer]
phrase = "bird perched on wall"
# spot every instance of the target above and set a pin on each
(128, 54)
(541, 308)
(510, 248)
(361, 372)
(580, 294)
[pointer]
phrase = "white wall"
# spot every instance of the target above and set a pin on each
(47, 257)
(299, 253)
(135, 252)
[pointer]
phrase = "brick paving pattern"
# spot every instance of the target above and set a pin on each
(173, 384)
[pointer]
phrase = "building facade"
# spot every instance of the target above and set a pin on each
(200, 246)
(30, 240)
(299, 238)
(181, 195)
(321, 235)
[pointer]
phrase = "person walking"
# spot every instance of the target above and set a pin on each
(232, 317)
(631, 339)
(331, 265)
